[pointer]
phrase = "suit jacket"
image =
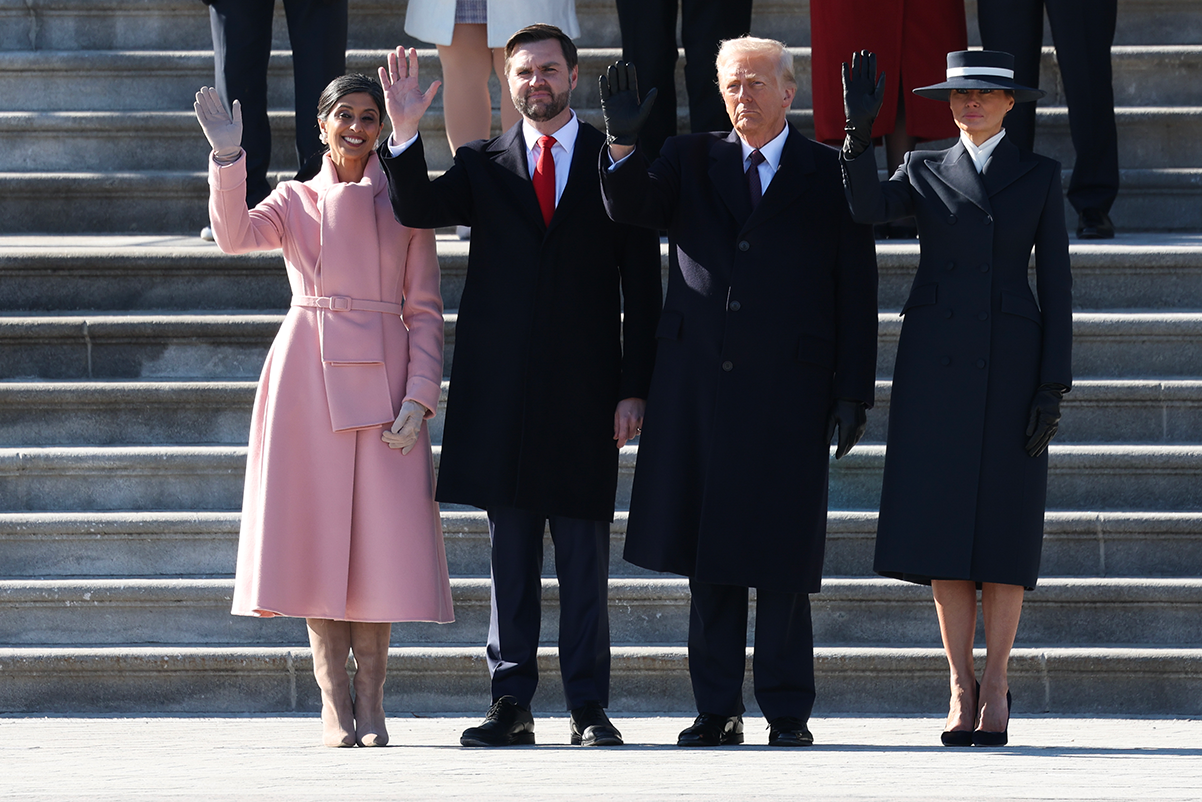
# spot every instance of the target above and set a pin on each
(961, 497)
(770, 315)
(542, 351)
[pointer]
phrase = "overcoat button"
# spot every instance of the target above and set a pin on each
(982, 316)
(980, 363)
(950, 266)
(728, 365)
(988, 219)
(985, 267)
(948, 313)
(744, 245)
(947, 360)
(951, 219)
(735, 306)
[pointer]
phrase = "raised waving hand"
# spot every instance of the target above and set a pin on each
(403, 99)
(222, 129)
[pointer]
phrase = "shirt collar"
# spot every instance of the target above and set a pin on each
(565, 136)
(981, 154)
(771, 151)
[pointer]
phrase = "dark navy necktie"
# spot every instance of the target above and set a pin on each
(753, 178)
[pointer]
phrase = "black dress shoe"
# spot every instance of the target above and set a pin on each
(591, 727)
(962, 737)
(713, 730)
(506, 724)
(986, 738)
(1094, 224)
(789, 731)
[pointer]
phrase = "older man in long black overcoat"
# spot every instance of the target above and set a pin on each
(768, 335)
(548, 379)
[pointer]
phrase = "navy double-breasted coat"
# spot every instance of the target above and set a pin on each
(556, 325)
(961, 497)
(769, 316)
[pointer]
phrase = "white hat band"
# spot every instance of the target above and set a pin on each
(962, 72)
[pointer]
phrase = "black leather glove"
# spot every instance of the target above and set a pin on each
(863, 94)
(1045, 417)
(624, 114)
(852, 418)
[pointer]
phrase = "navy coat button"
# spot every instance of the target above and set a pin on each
(982, 316)
(950, 266)
(744, 245)
(985, 267)
(980, 363)
(947, 360)
(951, 219)
(948, 313)
(728, 365)
(988, 219)
(735, 306)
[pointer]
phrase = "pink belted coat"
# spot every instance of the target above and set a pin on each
(335, 524)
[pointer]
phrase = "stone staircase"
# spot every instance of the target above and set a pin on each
(129, 351)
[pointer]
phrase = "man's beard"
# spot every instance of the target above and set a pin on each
(543, 110)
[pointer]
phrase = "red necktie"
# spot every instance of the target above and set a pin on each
(544, 178)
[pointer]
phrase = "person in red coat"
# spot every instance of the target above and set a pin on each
(909, 40)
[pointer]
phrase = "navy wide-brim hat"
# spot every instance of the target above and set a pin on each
(980, 69)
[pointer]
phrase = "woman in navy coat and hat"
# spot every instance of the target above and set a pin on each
(981, 367)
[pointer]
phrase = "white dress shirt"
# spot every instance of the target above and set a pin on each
(771, 153)
(980, 155)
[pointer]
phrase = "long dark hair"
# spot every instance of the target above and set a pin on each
(340, 87)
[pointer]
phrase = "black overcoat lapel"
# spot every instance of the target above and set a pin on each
(508, 152)
(582, 172)
(958, 173)
(1006, 165)
(726, 174)
(796, 162)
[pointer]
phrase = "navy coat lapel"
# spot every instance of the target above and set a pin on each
(1005, 166)
(796, 161)
(726, 174)
(959, 173)
(508, 151)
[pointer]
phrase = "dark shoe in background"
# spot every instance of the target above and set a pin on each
(591, 727)
(506, 724)
(789, 731)
(1094, 224)
(713, 730)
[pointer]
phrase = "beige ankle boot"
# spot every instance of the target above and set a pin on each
(370, 645)
(331, 643)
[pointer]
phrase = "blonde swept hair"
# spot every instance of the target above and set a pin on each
(753, 45)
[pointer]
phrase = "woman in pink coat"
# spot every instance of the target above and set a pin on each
(339, 524)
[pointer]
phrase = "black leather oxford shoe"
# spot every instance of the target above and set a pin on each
(591, 727)
(789, 731)
(713, 730)
(1094, 224)
(506, 724)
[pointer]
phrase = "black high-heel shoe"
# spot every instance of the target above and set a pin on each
(986, 738)
(962, 737)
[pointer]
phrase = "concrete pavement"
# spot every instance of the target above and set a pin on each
(854, 759)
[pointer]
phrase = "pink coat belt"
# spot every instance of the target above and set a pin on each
(343, 303)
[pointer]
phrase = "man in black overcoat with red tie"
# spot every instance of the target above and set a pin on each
(766, 344)
(549, 377)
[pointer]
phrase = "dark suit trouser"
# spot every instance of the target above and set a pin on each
(1082, 31)
(241, 49)
(582, 567)
(649, 41)
(783, 665)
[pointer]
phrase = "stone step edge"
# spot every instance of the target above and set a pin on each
(839, 522)
(157, 593)
(103, 392)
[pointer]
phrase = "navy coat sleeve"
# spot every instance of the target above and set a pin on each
(1053, 283)
(870, 200)
(418, 202)
(640, 195)
(642, 298)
